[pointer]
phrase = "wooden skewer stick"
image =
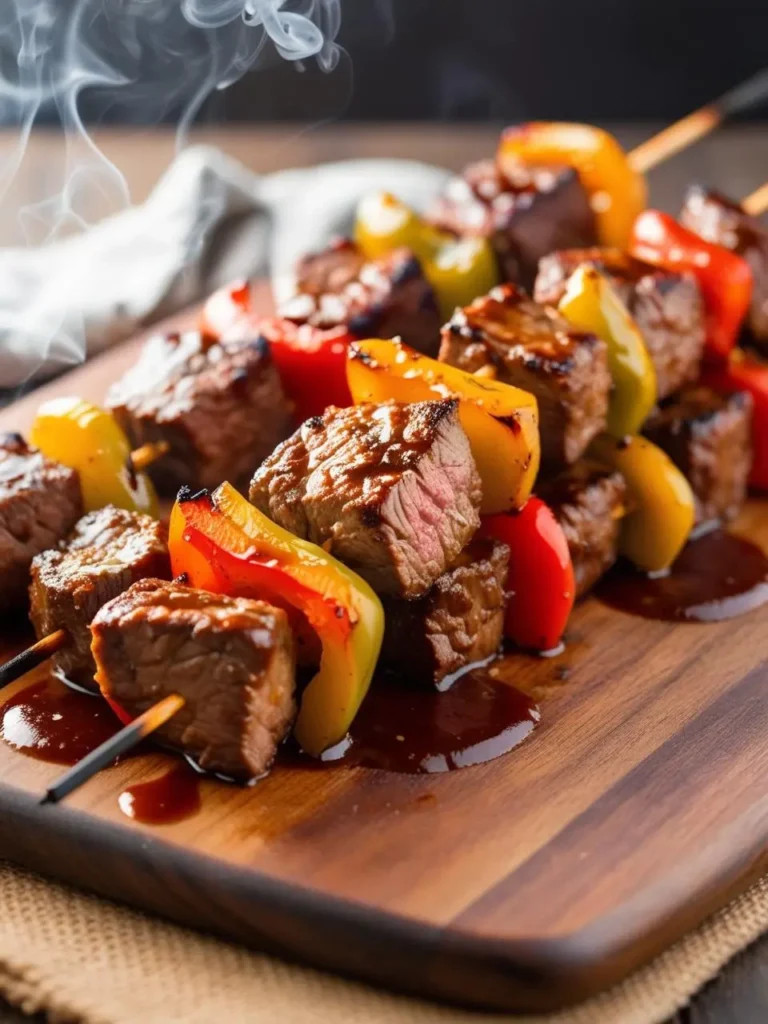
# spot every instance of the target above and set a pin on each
(123, 741)
(696, 125)
(33, 656)
(756, 202)
(147, 454)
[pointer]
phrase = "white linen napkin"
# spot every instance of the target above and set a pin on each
(209, 220)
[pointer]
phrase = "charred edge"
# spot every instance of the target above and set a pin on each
(186, 494)
(512, 422)
(182, 579)
(623, 443)
(12, 439)
(363, 357)
(370, 516)
(439, 409)
(314, 423)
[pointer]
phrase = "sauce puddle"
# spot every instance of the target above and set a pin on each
(402, 728)
(51, 722)
(169, 798)
(717, 576)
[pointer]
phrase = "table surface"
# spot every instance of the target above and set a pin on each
(734, 160)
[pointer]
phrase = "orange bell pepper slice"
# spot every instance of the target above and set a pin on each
(501, 421)
(220, 542)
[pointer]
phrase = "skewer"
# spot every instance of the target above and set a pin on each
(695, 126)
(756, 202)
(126, 739)
(33, 656)
(148, 453)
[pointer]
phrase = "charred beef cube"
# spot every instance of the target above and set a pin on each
(219, 406)
(708, 437)
(231, 659)
(525, 216)
(588, 501)
(457, 623)
(718, 219)
(532, 347)
(666, 306)
(106, 552)
(39, 504)
(391, 490)
(386, 298)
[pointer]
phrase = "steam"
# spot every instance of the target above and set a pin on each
(74, 62)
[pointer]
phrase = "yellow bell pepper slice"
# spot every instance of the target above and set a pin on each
(459, 269)
(501, 421)
(617, 193)
(591, 304)
(88, 439)
(224, 544)
(662, 508)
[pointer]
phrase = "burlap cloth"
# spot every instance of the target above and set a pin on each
(79, 958)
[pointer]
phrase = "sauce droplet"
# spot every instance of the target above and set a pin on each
(51, 722)
(717, 576)
(402, 728)
(171, 797)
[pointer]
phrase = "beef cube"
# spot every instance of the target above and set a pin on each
(218, 405)
(232, 660)
(386, 298)
(525, 216)
(392, 490)
(708, 437)
(457, 623)
(534, 348)
(666, 306)
(106, 552)
(39, 504)
(588, 501)
(718, 219)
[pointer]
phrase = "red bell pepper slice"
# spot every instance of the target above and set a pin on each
(725, 279)
(747, 372)
(541, 583)
(312, 364)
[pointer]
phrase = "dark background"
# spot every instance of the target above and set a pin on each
(511, 59)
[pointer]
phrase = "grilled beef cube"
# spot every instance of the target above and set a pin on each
(708, 437)
(532, 347)
(39, 504)
(391, 490)
(457, 623)
(588, 501)
(219, 405)
(666, 306)
(538, 210)
(718, 219)
(232, 660)
(384, 298)
(106, 552)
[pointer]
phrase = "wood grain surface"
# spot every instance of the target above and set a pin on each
(638, 806)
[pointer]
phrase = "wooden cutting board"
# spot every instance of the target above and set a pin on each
(638, 806)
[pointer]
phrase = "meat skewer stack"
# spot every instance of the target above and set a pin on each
(216, 403)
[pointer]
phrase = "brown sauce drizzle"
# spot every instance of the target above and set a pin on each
(169, 798)
(51, 722)
(717, 576)
(402, 728)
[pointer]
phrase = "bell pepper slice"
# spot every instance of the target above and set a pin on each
(501, 421)
(247, 555)
(88, 439)
(724, 277)
(312, 364)
(228, 313)
(745, 371)
(617, 193)
(541, 586)
(591, 304)
(661, 503)
(459, 269)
